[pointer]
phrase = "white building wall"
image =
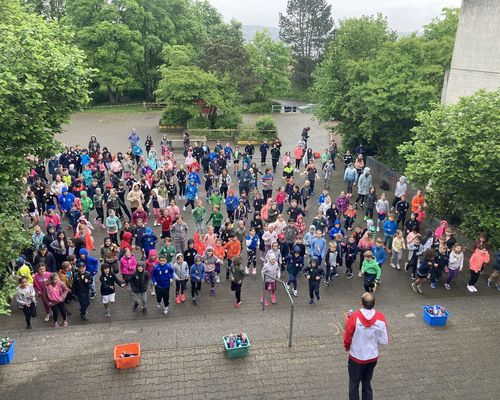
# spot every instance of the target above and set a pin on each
(476, 57)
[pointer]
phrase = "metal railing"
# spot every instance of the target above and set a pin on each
(287, 290)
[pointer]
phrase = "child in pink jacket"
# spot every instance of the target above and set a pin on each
(40, 281)
(128, 264)
(476, 262)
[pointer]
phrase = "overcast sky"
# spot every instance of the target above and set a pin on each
(403, 15)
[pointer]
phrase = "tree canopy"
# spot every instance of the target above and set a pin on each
(43, 78)
(306, 27)
(271, 63)
(375, 84)
(455, 154)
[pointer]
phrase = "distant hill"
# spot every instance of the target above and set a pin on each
(250, 30)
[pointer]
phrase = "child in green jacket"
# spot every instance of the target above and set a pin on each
(371, 270)
(217, 217)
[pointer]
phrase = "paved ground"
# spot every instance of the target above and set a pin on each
(183, 355)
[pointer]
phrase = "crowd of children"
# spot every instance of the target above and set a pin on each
(129, 195)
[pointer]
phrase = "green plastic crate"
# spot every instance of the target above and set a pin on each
(237, 351)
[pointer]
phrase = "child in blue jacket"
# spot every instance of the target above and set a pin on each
(91, 266)
(232, 203)
(336, 228)
(390, 227)
(163, 274)
(148, 242)
(191, 194)
(196, 274)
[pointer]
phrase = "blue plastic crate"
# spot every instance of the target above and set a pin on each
(434, 320)
(8, 356)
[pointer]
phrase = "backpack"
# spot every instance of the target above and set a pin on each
(384, 185)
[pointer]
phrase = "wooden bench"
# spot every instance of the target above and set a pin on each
(171, 128)
(178, 142)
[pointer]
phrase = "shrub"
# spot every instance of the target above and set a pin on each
(265, 125)
(228, 121)
(177, 116)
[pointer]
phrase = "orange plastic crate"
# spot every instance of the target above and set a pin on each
(127, 362)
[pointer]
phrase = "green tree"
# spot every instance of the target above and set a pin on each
(271, 64)
(375, 85)
(51, 9)
(306, 27)
(224, 53)
(455, 154)
(43, 79)
(108, 31)
(354, 41)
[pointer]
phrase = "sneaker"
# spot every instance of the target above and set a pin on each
(212, 292)
(152, 292)
(433, 285)
(92, 296)
(84, 317)
(193, 301)
(360, 274)
(470, 288)
(336, 274)
(393, 266)
(254, 271)
(264, 301)
(349, 276)
(56, 324)
(28, 327)
(247, 270)
(135, 306)
(217, 279)
(158, 305)
(183, 298)
(177, 299)
(406, 267)
(474, 288)
(413, 276)
(237, 305)
(273, 299)
(311, 302)
(165, 310)
(398, 267)
(184, 208)
(327, 283)
(447, 286)
(65, 323)
(419, 288)
(47, 317)
(108, 314)
(490, 283)
(378, 229)
(296, 293)
(498, 288)
(414, 287)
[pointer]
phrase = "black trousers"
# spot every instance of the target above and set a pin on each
(59, 308)
(162, 294)
(236, 288)
(195, 287)
(84, 300)
(29, 312)
(275, 164)
(360, 373)
(182, 188)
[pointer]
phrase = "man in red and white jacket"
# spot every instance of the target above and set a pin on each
(365, 330)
